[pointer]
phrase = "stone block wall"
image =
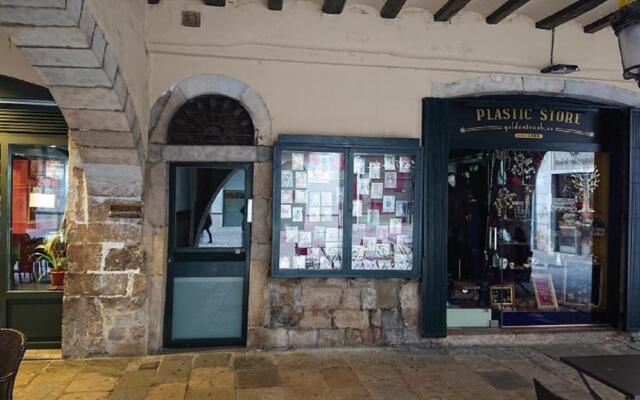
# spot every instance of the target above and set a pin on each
(331, 312)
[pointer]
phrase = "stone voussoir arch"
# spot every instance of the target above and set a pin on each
(532, 85)
(173, 98)
(67, 47)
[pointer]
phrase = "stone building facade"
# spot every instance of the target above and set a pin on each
(120, 69)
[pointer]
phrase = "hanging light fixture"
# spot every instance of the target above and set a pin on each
(626, 24)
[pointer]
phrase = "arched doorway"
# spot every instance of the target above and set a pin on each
(209, 227)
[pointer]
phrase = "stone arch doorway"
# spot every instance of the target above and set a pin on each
(236, 130)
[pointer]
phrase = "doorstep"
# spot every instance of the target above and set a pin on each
(44, 354)
(530, 336)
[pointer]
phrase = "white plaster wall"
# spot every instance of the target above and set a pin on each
(14, 64)
(356, 73)
(123, 22)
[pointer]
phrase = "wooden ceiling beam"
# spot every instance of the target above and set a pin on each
(391, 8)
(275, 5)
(568, 13)
(450, 9)
(508, 8)
(333, 6)
(600, 24)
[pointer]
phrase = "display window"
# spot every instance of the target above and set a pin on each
(528, 235)
(318, 232)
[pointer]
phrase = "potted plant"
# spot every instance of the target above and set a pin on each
(54, 251)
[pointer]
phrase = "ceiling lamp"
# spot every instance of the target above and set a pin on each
(626, 24)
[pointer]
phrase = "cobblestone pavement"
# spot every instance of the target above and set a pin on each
(337, 374)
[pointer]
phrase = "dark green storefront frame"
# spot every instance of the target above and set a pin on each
(43, 306)
(624, 310)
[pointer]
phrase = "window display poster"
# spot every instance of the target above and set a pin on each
(291, 234)
(373, 217)
(374, 170)
(297, 214)
(358, 165)
(304, 239)
(402, 208)
(363, 187)
(301, 180)
(389, 162)
(377, 190)
(320, 167)
(286, 196)
(297, 161)
(389, 204)
(285, 211)
(285, 263)
(382, 233)
(357, 208)
(300, 196)
(300, 262)
(405, 164)
(395, 226)
(314, 214)
(286, 179)
(390, 180)
(369, 243)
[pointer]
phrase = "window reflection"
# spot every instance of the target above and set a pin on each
(38, 201)
(209, 207)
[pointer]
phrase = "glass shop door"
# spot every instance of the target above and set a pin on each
(209, 241)
(527, 237)
(33, 190)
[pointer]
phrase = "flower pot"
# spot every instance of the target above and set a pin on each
(57, 280)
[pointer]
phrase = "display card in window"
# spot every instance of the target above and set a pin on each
(382, 213)
(311, 210)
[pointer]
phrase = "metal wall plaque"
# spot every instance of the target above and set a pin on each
(191, 19)
(125, 211)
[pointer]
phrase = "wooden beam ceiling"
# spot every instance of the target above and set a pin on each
(599, 24)
(275, 5)
(568, 13)
(333, 6)
(508, 8)
(450, 9)
(391, 8)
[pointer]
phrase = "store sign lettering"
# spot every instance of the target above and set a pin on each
(527, 123)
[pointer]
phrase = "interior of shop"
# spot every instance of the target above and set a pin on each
(527, 237)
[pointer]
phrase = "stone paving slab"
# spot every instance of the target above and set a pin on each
(471, 373)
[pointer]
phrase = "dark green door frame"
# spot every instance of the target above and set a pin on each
(435, 141)
(189, 262)
(12, 300)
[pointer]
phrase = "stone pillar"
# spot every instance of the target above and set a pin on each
(105, 304)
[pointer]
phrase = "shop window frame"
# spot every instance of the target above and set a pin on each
(347, 146)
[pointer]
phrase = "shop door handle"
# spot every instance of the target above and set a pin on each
(495, 239)
(249, 210)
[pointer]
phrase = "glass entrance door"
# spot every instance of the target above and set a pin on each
(527, 237)
(33, 190)
(208, 255)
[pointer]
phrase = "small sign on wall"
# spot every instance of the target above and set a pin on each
(133, 211)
